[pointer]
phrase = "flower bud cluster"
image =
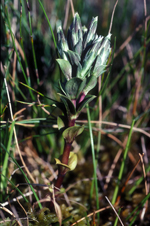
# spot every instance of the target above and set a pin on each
(83, 57)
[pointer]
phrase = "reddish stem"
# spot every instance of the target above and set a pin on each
(71, 123)
(65, 156)
(62, 170)
(64, 160)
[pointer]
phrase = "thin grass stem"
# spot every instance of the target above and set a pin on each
(15, 188)
(5, 163)
(22, 45)
(122, 164)
(35, 195)
(136, 183)
(94, 161)
(48, 24)
(138, 211)
(32, 43)
(12, 36)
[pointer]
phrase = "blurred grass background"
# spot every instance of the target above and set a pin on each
(126, 96)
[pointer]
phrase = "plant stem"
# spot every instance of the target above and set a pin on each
(62, 170)
(66, 153)
(64, 160)
(65, 157)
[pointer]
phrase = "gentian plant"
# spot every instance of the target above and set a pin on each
(82, 59)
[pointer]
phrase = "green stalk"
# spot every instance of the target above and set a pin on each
(138, 212)
(15, 188)
(21, 40)
(94, 161)
(5, 164)
(138, 182)
(122, 165)
(48, 24)
(116, 79)
(17, 87)
(32, 43)
(35, 195)
(125, 156)
(12, 36)
(116, 220)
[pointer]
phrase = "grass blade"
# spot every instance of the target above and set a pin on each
(48, 23)
(32, 43)
(13, 40)
(122, 165)
(94, 160)
(35, 195)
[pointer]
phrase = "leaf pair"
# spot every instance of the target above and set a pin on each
(72, 162)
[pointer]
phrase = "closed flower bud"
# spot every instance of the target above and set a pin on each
(90, 35)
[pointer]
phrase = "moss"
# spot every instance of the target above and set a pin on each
(43, 217)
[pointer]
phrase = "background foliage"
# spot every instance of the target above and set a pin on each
(124, 96)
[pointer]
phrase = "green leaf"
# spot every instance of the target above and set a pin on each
(89, 59)
(81, 87)
(72, 132)
(70, 108)
(98, 71)
(73, 57)
(86, 100)
(72, 162)
(78, 47)
(79, 69)
(62, 88)
(91, 83)
(66, 68)
(60, 122)
(72, 87)
(58, 162)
